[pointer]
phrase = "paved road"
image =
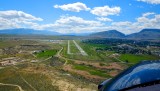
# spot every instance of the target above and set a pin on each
(68, 51)
(80, 49)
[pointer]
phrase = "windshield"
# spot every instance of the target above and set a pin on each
(142, 73)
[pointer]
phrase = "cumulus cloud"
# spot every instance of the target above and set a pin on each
(104, 19)
(76, 21)
(13, 14)
(125, 23)
(74, 24)
(70, 24)
(5, 24)
(151, 1)
(16, 19)
(148, 14)
(142, 22)
(105, 11)
(149, 22)
(75, 7)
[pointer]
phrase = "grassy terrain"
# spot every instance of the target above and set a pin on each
(90, 49)
(42, 81)
(46, 53)
(98, 45)
(39, 75)
(10, 76)
(73, 48)
(136, 58)
(24, 55)
(11, 43)
(8, 88)
(37, 80)
(96, 55)
(91, 70)
(104, 55)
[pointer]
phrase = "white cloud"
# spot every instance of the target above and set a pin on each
(151, 1)
(145, 21)
(73, 20)
(5, 24)
(73, 24)
(148, 14)
(104, 19)
(65, 24)
(13, 14)
(125, 23)
(75, 7)
(144, 18)
(149, 22)
(70, 24)
(105, 11)
(16, 19)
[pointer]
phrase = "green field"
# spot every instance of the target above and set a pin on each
(137, 58)
(91, 70)
(73, 48)
(46, 53)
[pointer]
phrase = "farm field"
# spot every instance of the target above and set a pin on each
(45, 53)
(137, 58)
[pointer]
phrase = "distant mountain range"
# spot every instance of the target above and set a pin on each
(108, 34)
(143, 34)
(23, 31)
(146, 34)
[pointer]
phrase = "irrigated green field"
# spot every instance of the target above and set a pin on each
(131, 58)
(46, 53)
(92, 70)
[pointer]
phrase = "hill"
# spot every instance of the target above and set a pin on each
(145, 34)
(23, 31)
(108, 34)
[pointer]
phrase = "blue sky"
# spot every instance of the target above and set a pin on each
(80, 16)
